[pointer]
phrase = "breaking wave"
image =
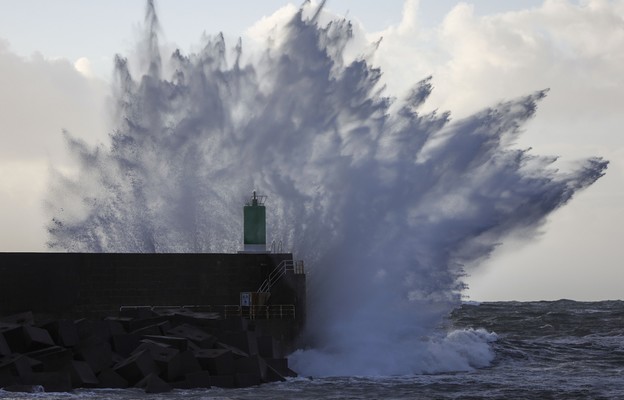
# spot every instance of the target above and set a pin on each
(384, 202)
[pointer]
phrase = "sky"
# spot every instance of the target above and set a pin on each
(56, 63)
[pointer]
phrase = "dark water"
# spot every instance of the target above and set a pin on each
(545, 350)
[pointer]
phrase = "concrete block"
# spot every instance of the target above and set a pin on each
(6, 377)
(236, 352)
(216, 361)
(165, 312)
(222, 381)
(137, 367)
(82, 376)
(108, 378)
(252, 365)
(14, 337)
(5, 350)
(268, 347)
(24, 318)
(148, 330)
(243, 380)
(280, 365)
(63, 332)
(243, 340)
(115, 327)
(125, 343)
(117, 358)
(143, 322)
(54, 381)
(84, 329)
(164, 327)
(192, 346)
(172, 369)
(36, 338)
(35, 365)
(137, 313)
(197, 380)
(98, 356)
(201, 319)
(92, 332)
(124, 321)
(153, 384)
(172, 341)
(188, 362)
(167, 359)
(147, 343)
(52, 358)
(272, 375)
(194, 334)
(18, 365)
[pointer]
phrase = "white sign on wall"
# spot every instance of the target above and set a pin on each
(245, 299)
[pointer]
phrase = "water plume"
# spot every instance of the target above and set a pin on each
(385, 203)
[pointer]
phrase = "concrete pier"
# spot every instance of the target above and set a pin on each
(105, 320)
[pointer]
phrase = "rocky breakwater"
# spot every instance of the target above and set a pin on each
(155, 350)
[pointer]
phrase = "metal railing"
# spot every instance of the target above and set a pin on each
(279, 271)
(275, 311)
(278, 311)
(277, 247)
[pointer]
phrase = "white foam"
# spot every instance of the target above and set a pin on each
(459, 350)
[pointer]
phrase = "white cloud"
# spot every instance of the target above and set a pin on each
(39, 98)
(22, 187)
(409, 22)
(576, 50)
(269, 26)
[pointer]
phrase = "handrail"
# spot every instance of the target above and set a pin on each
(277, 247)
(274, 311)
(279, 271)
(275, 275)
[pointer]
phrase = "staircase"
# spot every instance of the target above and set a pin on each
(279, 271)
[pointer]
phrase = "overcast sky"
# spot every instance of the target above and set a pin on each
(56, 65)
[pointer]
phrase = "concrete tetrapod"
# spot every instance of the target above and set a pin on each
(161, 352)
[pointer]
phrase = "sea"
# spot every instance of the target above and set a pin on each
(544, 350)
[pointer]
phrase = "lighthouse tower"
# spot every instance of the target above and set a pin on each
(254, 233)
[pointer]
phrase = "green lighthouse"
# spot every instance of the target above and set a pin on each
(254, 217)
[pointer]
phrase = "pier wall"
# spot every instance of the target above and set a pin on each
(91, 285)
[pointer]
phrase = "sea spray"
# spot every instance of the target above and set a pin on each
(383, 202)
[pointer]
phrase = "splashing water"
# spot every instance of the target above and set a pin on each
(383, 202)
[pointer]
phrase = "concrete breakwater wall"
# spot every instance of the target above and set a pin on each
(72, 320)
(154, 350)
(72, 285)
